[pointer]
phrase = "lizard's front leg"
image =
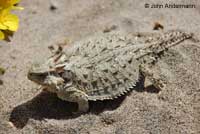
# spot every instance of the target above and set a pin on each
(74, 95)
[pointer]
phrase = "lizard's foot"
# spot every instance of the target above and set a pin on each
(150, 79)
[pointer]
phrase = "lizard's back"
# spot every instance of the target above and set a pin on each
(107, 66)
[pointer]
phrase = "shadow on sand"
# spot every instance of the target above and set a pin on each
(48, 105)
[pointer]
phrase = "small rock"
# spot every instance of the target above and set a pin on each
(53, 5)
(109, 29)
(158, 26)
(72, 131)
(2, 71)
(120, 130)
(108, 119)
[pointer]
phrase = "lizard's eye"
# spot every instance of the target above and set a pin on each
(42, 75)
(67, 75)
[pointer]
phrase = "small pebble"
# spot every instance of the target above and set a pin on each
(53, 5)
(109, 29)
(158, 26)
(2, 71)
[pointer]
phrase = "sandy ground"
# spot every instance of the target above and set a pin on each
(174, 110)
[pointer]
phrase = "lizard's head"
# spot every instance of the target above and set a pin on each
(51, 75)
(38, 73)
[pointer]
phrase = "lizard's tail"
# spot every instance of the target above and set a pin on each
(163, 42)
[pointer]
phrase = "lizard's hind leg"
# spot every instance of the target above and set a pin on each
(150, 78)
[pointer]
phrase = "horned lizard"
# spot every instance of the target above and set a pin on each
(104, 66)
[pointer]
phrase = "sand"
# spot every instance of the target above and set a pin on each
(26, 109)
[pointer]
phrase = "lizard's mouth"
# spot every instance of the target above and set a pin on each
(37, 78)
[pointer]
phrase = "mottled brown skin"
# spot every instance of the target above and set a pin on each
(104, 66)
